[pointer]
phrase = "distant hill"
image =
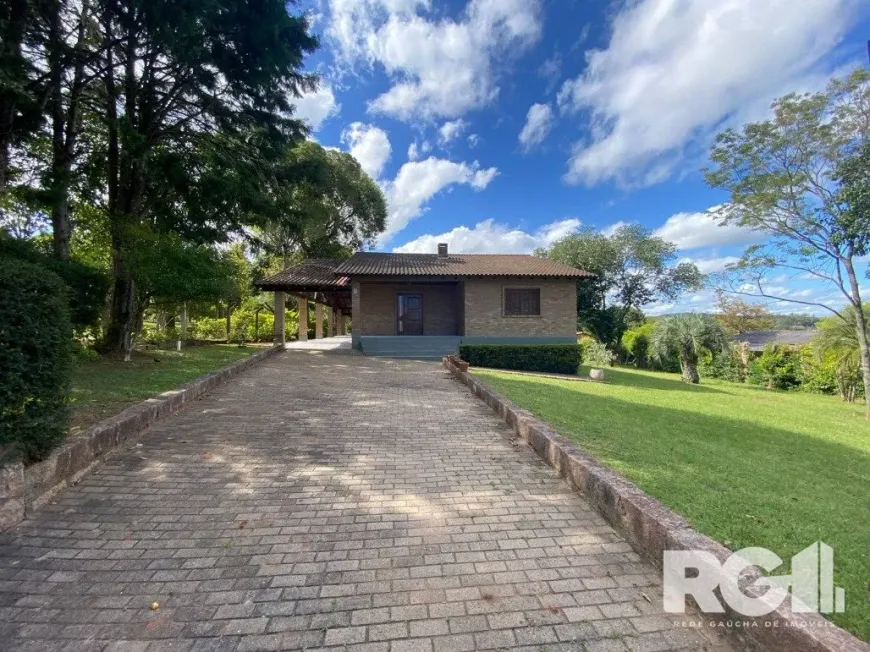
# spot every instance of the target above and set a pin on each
(795, 322)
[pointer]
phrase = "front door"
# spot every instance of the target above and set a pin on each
(410, 314)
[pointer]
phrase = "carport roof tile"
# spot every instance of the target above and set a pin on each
(313, 272)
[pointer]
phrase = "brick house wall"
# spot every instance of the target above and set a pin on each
(484, 311)
(378, 307)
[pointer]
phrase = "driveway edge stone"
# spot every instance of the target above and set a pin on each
(23, 489)
(651, 528)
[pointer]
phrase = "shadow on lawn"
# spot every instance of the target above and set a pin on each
(617, 376)
(742, 482)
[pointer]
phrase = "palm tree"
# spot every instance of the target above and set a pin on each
(686, 336)
(838, 336)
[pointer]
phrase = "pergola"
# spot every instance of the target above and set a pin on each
(312, 280)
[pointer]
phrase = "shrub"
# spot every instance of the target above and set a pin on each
(153, 335)
(245, 320)
(779, 366)
(635, 343)
(596, 354)
(208, 328)
(88, 286)
(827, 371)
(724, 365)
(553, 358)
(35, 359)
(84, 353)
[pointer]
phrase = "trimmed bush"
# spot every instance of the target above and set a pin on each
(88, 286)
(35, 359)
(552, 358)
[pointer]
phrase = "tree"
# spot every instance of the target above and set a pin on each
(687, 336)
(177, 77)
(69, 48)
(327, 207)
(803, 179)
(838, 337)
(633, 268)
(738, 316)
(20, 113)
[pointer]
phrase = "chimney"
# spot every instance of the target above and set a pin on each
(442, 250)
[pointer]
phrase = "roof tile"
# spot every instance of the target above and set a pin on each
(313, 272)
(381, 264)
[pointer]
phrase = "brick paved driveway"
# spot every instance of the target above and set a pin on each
(322, 501)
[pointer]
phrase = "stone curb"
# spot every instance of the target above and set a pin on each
(24, 489)
(651, 528)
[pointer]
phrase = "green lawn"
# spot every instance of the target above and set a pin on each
(106, 386)
(745, 465)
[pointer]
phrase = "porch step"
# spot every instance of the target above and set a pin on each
(432, 347)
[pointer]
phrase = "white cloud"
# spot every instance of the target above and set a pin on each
(712, 264)
(539, 121)
(415, 151)
(674, 72)
(551, 70)
(419, 181)
(441, 68)
(473, 140)
(369, 145)
(657, 309)
(451, 130)
(694, 230)
(610, 229)
(317, 107)
(491, 237)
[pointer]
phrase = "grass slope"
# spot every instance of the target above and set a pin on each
(106, 386)
(746, 466)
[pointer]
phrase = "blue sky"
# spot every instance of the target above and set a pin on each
(500, 125)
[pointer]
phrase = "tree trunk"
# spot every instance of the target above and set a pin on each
(61, 225)
(861, 331)
(229, 324)
(119, 334)
(65, 123)
(184, 322)
(744, 361)
(690, 370)
(4, 155)
(126, 167)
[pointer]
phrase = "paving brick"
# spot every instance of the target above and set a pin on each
(325, 500)
(345, 636)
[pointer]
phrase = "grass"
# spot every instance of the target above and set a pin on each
(104, 387)
(745, 465)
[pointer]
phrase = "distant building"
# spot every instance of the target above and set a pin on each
(757, 340)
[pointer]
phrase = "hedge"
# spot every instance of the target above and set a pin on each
(35, 359)
(552, 358)
(88, 286)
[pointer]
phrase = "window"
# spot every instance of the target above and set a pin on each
(522, 302)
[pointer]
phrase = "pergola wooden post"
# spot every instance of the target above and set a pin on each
(302, 302)
(318, 320)
(280, 334)
(312, 280)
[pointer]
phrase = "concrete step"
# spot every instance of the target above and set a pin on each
(414, 347)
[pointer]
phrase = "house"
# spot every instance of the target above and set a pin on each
(757, 340)
(425, 305)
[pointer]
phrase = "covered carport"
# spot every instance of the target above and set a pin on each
(311, 281)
